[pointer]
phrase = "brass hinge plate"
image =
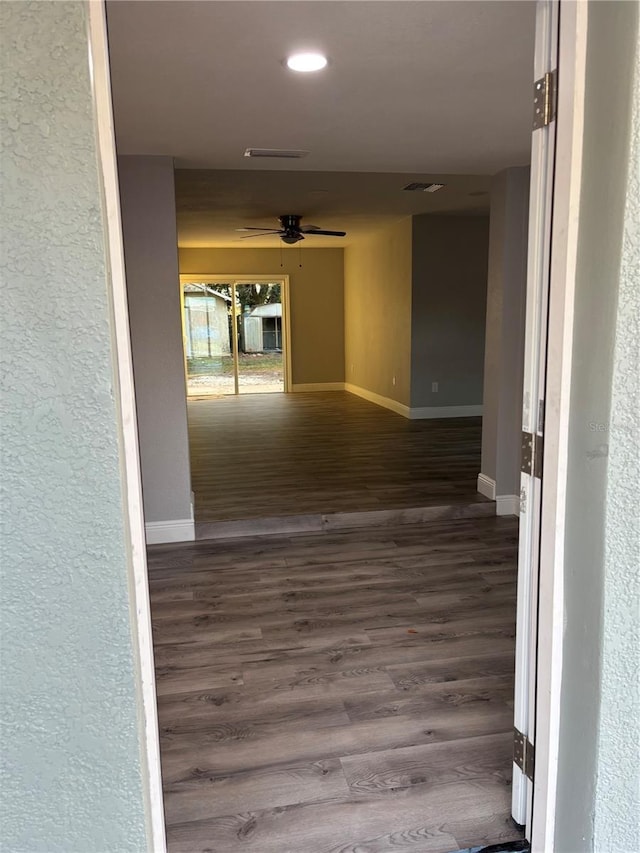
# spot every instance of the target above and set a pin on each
(523, 754)
(544, 100)
(531, 454)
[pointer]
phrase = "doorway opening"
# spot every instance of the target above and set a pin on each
(299, 638)
(235, 335)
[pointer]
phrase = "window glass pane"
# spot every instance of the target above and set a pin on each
(207, 339)
(260, 357)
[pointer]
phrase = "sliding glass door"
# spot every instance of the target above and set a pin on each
(260, 339)
(235, 335)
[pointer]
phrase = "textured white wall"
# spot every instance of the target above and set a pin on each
(617, 811)
(71, 751)
(598, 640)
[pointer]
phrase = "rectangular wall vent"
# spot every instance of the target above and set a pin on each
(279, 153)
(418, 187)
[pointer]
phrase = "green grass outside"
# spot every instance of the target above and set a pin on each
(222, 365)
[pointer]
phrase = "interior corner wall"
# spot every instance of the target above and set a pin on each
(377, 300)
(597, 785)
(316, 295)
(448, 309)
(72, 776)
(153, 289)
(505, 330)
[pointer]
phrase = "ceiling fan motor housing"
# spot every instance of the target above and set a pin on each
(290, 222)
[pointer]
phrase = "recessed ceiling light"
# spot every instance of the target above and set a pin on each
(306, 62)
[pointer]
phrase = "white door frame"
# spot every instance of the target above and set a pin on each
(571, 84)
(129, 457)
(556, 332)
(535, 356)
(251, 279)
(564, 245)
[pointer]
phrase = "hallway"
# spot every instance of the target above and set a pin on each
(346, 691)
(317, 459)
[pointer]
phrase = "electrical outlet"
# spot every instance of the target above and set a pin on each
(393, 380)
(434, 387)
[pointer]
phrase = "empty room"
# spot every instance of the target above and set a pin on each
(326, 276)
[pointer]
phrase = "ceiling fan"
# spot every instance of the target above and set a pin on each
(291, 231)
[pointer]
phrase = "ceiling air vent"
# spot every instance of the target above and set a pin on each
(279, 153)
(418, 187)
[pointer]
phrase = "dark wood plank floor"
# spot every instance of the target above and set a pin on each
(337, 693)
(289, 454)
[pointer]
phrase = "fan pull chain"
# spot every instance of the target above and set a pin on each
(281, 258)
(300, 256)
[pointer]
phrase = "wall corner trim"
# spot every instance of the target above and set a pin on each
(487, 486)
(379, 400)
(173, 530)
(508, 505)
(317, 386)
(433, 412)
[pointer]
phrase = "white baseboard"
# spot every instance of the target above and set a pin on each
(425, 412)
(420, 413)
(487, 486)
(508, 505)
(318, 386)
(505, 504)
(378, 399)
(175, 530)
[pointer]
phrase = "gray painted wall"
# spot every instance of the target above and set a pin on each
(71, 744)
(505, 326)
(591, 683)
(448, 307)
(153, 287)
(617, 811)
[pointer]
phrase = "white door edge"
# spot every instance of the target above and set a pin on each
(564, 242)
(538, 264)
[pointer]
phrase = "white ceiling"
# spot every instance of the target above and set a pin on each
(436, 87)
(211, 204)
(415, 90)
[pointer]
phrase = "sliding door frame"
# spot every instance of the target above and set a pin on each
(247, 279)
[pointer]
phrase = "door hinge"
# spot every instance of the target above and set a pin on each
(531, 455)
(524, 754)
(544, 100)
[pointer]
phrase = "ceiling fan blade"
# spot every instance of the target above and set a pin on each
(322, 232)
(263, 234)
(307, 228)
(250, 228)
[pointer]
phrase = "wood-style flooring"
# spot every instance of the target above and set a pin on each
(313, 455)
(340, 692)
